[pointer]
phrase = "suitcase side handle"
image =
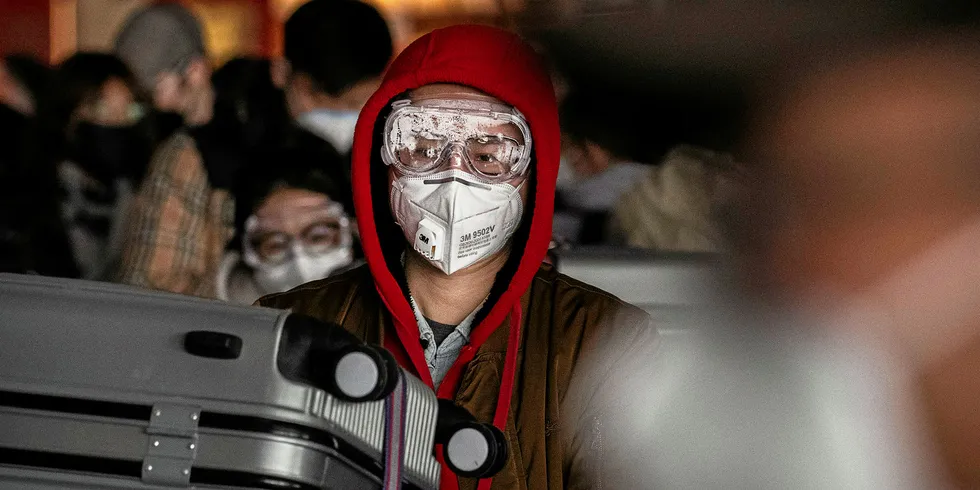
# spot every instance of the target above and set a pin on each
(326, 356)
(216, 345)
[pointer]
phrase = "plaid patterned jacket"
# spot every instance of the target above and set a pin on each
(178, 226)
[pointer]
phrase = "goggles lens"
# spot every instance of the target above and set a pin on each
(422, 139)
(316, 231)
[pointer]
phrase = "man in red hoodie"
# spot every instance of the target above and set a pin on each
(454, 166)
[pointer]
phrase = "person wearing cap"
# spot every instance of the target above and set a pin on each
(185, 213)
(454, 166)
(180, 220)
(164, 47)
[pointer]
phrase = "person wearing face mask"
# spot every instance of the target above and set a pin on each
(88, 134)
(334, 54)
(32, 235)
(182, 219)
(595, 169)
(292, 231)
(455, 160)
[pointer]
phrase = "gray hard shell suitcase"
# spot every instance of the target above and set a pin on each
(107, 386)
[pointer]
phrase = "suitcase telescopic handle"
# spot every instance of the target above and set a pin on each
(471, 449)
(326, 356)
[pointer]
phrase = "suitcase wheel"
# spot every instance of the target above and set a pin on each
(476, 451)
(363, 373)
(470, 449)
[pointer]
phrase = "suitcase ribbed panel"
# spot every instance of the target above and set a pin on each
(365, 421)
(421, 421)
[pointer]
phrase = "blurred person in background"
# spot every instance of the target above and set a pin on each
(335, 52)
(163, 45)
(89, 133)
(185, 213)
(454, 201)
(292, 231)
(32, 235)
(678, 204)
(597, 170)
(23, 81)
(605, 197)
(180, 221)
(249, 109)
(249, 115)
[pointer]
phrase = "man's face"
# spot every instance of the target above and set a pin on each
(455, 160)
(585, 158)
(187, 91)
(458, 161)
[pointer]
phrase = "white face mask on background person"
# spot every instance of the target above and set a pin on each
(302, 267)
(301, 239)
(334, 126)
(454, 220)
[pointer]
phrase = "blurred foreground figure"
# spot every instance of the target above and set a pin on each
(852, 359)
(868, 208)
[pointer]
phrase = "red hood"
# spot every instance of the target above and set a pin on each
(502, 65)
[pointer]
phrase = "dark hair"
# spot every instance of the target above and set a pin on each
(247, 99)
(644, 126)
(74, 82)
(279, 166)
(337, 43)
(587, 118)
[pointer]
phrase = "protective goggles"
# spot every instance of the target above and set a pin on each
(422, 136)
(314, 230)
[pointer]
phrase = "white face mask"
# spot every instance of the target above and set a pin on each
(454, 220)
(334, 126)
(301, 268)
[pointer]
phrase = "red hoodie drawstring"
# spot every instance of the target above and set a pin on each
(507, 382)
(504, 396)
